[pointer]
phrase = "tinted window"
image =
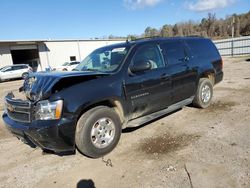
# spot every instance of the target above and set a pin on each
(19, 67)
(149, 53)
(174, 52)
(74, 63)
(203, 48)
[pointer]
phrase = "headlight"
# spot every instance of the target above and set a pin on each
(46, 110)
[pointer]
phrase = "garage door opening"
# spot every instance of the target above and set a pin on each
(27, 56)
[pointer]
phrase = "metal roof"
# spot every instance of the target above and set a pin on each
(55, 40)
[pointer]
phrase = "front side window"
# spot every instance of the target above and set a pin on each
(106, 59)
(148, 53)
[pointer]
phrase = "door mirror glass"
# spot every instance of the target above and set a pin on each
(140, 66)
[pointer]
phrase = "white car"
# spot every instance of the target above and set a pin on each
(14, 71)
(67, 66)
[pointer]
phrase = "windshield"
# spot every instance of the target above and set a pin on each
(106, 59)
(3, 69)
(65, 64)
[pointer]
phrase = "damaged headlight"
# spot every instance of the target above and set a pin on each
(46, 110)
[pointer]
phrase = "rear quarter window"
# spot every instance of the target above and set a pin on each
(203, 48)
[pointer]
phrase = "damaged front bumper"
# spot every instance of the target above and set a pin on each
(54, 135)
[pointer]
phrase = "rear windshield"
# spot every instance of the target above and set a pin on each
(203, 48)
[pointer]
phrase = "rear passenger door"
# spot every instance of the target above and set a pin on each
(17, 71)
(183, 79)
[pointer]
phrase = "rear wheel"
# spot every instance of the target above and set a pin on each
(204, 93)
(98, 131)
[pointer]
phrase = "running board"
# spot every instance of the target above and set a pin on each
(142, 120)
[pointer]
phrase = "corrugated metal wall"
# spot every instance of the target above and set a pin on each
(234, 47)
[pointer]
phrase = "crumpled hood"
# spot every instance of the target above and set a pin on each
(39, 86)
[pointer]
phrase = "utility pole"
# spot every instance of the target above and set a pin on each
(232, 43)
(233, 22)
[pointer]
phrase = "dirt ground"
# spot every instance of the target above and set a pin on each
(189, 148)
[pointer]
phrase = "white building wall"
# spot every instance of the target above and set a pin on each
(5, 56)
(86, 47)
(43, 56)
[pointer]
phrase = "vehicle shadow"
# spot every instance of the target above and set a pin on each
(85, 184)
(60, 154)
(10, 80)
(131, 129)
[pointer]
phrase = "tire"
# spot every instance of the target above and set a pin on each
(25, 75)
(206, 87)
(88, 132)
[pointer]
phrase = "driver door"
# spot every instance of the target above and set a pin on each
(150, 90)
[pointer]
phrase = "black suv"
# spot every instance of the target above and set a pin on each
(115, 87)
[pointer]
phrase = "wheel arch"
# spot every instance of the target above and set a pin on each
(116, 104)
(208, 74)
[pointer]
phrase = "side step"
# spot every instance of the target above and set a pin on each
(142, 120)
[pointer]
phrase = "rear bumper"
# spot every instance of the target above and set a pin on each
(54, 135)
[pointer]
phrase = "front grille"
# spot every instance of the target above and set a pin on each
(18, 110)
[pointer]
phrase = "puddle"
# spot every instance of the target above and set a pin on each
(166, 143)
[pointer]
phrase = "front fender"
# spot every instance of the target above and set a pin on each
(82, 96)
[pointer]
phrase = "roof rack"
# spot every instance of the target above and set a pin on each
(142, 38)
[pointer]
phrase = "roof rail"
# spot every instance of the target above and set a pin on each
(195, 36)
(142, 38)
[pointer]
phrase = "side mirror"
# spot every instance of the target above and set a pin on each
(140, 66)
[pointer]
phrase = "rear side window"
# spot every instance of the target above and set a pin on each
(74, 63)
(202, 48)
(174, 52)
(19, 67)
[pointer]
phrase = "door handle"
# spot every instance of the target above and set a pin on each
(184, 59)
(165, 77)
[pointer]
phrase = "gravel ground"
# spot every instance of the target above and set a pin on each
(189, 148)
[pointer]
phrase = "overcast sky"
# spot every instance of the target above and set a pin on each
(83, 19)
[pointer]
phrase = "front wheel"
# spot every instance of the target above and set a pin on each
(203, 94)
(98, 131)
